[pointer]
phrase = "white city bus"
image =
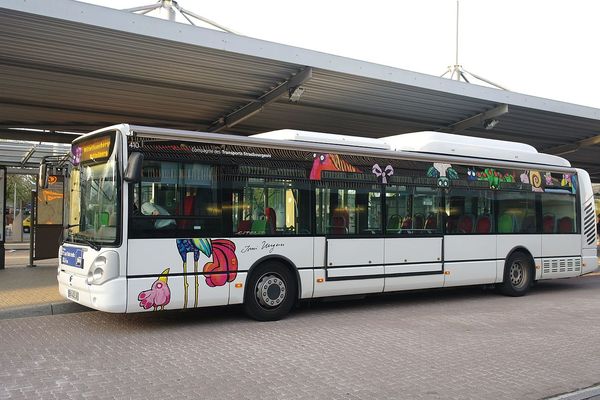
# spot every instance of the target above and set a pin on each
(164, 219)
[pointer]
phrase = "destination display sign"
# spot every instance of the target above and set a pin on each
(93, 150)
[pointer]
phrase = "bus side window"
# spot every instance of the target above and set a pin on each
(559, 212)
(516, 212)
(413, 210)
(354, 210)
(176, 199)
(268, 207)
(427, 207)
(469, 211)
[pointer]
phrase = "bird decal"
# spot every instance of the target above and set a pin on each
(159, 294)
(185, 246)
(224, 262)
(329, 162)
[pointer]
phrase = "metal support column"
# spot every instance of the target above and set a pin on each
(32, 227)
(3, 205)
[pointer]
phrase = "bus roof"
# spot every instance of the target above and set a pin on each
(473, 151)
(467, 146)
(318, 137)
(429, 143)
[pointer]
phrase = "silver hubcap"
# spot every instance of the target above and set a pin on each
(517, 274)
(270, 290)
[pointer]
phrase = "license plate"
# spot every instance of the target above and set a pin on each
(73, 294)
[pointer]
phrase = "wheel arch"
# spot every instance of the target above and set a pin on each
(524, 250)
(285, 262)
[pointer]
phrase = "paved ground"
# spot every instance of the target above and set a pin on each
(449, 344)
(21, 286)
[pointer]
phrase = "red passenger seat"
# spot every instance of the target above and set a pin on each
(431, 222)
(548, 223)
(565, 225)
(451, 224)
(271, 220)
(465, 224)
(188, 210)
(244, 227)
(484, 224)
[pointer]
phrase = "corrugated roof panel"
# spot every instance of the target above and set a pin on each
(74, 66)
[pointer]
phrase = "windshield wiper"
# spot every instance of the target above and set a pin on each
(83, 238)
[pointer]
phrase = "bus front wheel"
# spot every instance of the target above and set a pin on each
(270, 292)
(518, 275)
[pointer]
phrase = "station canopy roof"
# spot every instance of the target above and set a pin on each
(25, 156)
(75, 67)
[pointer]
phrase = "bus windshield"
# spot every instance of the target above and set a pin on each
(94, 201)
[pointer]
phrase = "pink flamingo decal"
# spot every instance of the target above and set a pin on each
(159, 294)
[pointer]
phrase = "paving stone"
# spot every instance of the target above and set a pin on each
(443, 344)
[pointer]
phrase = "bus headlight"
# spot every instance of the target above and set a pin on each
(104, 268)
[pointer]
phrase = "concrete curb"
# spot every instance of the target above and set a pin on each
(589, 393)
(38, 310)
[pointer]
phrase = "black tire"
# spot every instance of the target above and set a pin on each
(518, 275)
(271, 291)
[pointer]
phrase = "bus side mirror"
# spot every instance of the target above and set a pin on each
(43, 176)
(133, 172)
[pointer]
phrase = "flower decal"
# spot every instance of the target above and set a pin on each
(224, 262)
(382, 175)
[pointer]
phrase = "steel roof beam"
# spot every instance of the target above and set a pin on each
(28, 155)
(257, 105)
(478, 119)
(572, 147)
(22, 171)
(37, 136)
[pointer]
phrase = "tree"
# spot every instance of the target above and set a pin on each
(25, 184)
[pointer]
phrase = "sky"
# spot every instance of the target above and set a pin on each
(542, 48)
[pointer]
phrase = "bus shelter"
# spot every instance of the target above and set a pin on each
(47, 203)
(74, 67)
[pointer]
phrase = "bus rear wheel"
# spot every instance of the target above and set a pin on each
(518, 275)
(270, 292)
